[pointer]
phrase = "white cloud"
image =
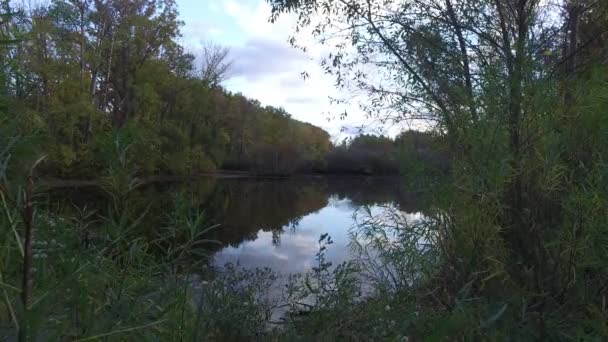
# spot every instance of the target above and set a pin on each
(268, 69)
(253, 19)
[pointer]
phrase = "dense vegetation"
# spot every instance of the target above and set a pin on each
(87, 76)
(518, 89)
(372, 154)
(514, 245)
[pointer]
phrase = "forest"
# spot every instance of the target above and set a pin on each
(93, 77)
(512, 168)
(87, 78)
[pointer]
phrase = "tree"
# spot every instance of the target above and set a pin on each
(449, 63)
(503, 81)
(88, 73)
(216, 64)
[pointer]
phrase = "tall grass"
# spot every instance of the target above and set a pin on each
(73, 273)
(467, 270)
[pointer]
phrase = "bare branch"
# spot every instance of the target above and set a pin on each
(216, 64)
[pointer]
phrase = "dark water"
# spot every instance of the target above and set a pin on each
(277, 223)
(273, 223)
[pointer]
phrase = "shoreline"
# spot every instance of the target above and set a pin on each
(55, 183)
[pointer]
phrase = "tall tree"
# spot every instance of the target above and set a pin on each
(216, 64)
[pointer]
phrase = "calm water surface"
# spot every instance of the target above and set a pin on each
(277, 223)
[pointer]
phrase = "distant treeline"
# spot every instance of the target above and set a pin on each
(97, 83)
(372, 154)
(409, 153)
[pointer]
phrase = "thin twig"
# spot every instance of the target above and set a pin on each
(90, 338)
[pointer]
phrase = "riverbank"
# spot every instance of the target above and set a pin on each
(53, 183)
(130, 255)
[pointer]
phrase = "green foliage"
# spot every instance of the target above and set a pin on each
(519, 101)
(514, 246)
(418, 156)
(83, 75)
(101, 272)
(235, 305)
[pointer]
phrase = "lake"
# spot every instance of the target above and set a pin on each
(274, 223)
(270, 223)
(277, 223)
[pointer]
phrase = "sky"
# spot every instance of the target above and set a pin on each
(265, 66)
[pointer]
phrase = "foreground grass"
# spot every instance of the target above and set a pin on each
(106, 276)
(473, 269)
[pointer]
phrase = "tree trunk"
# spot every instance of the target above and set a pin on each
(82, 8)
(465, 59)
(570, 49)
